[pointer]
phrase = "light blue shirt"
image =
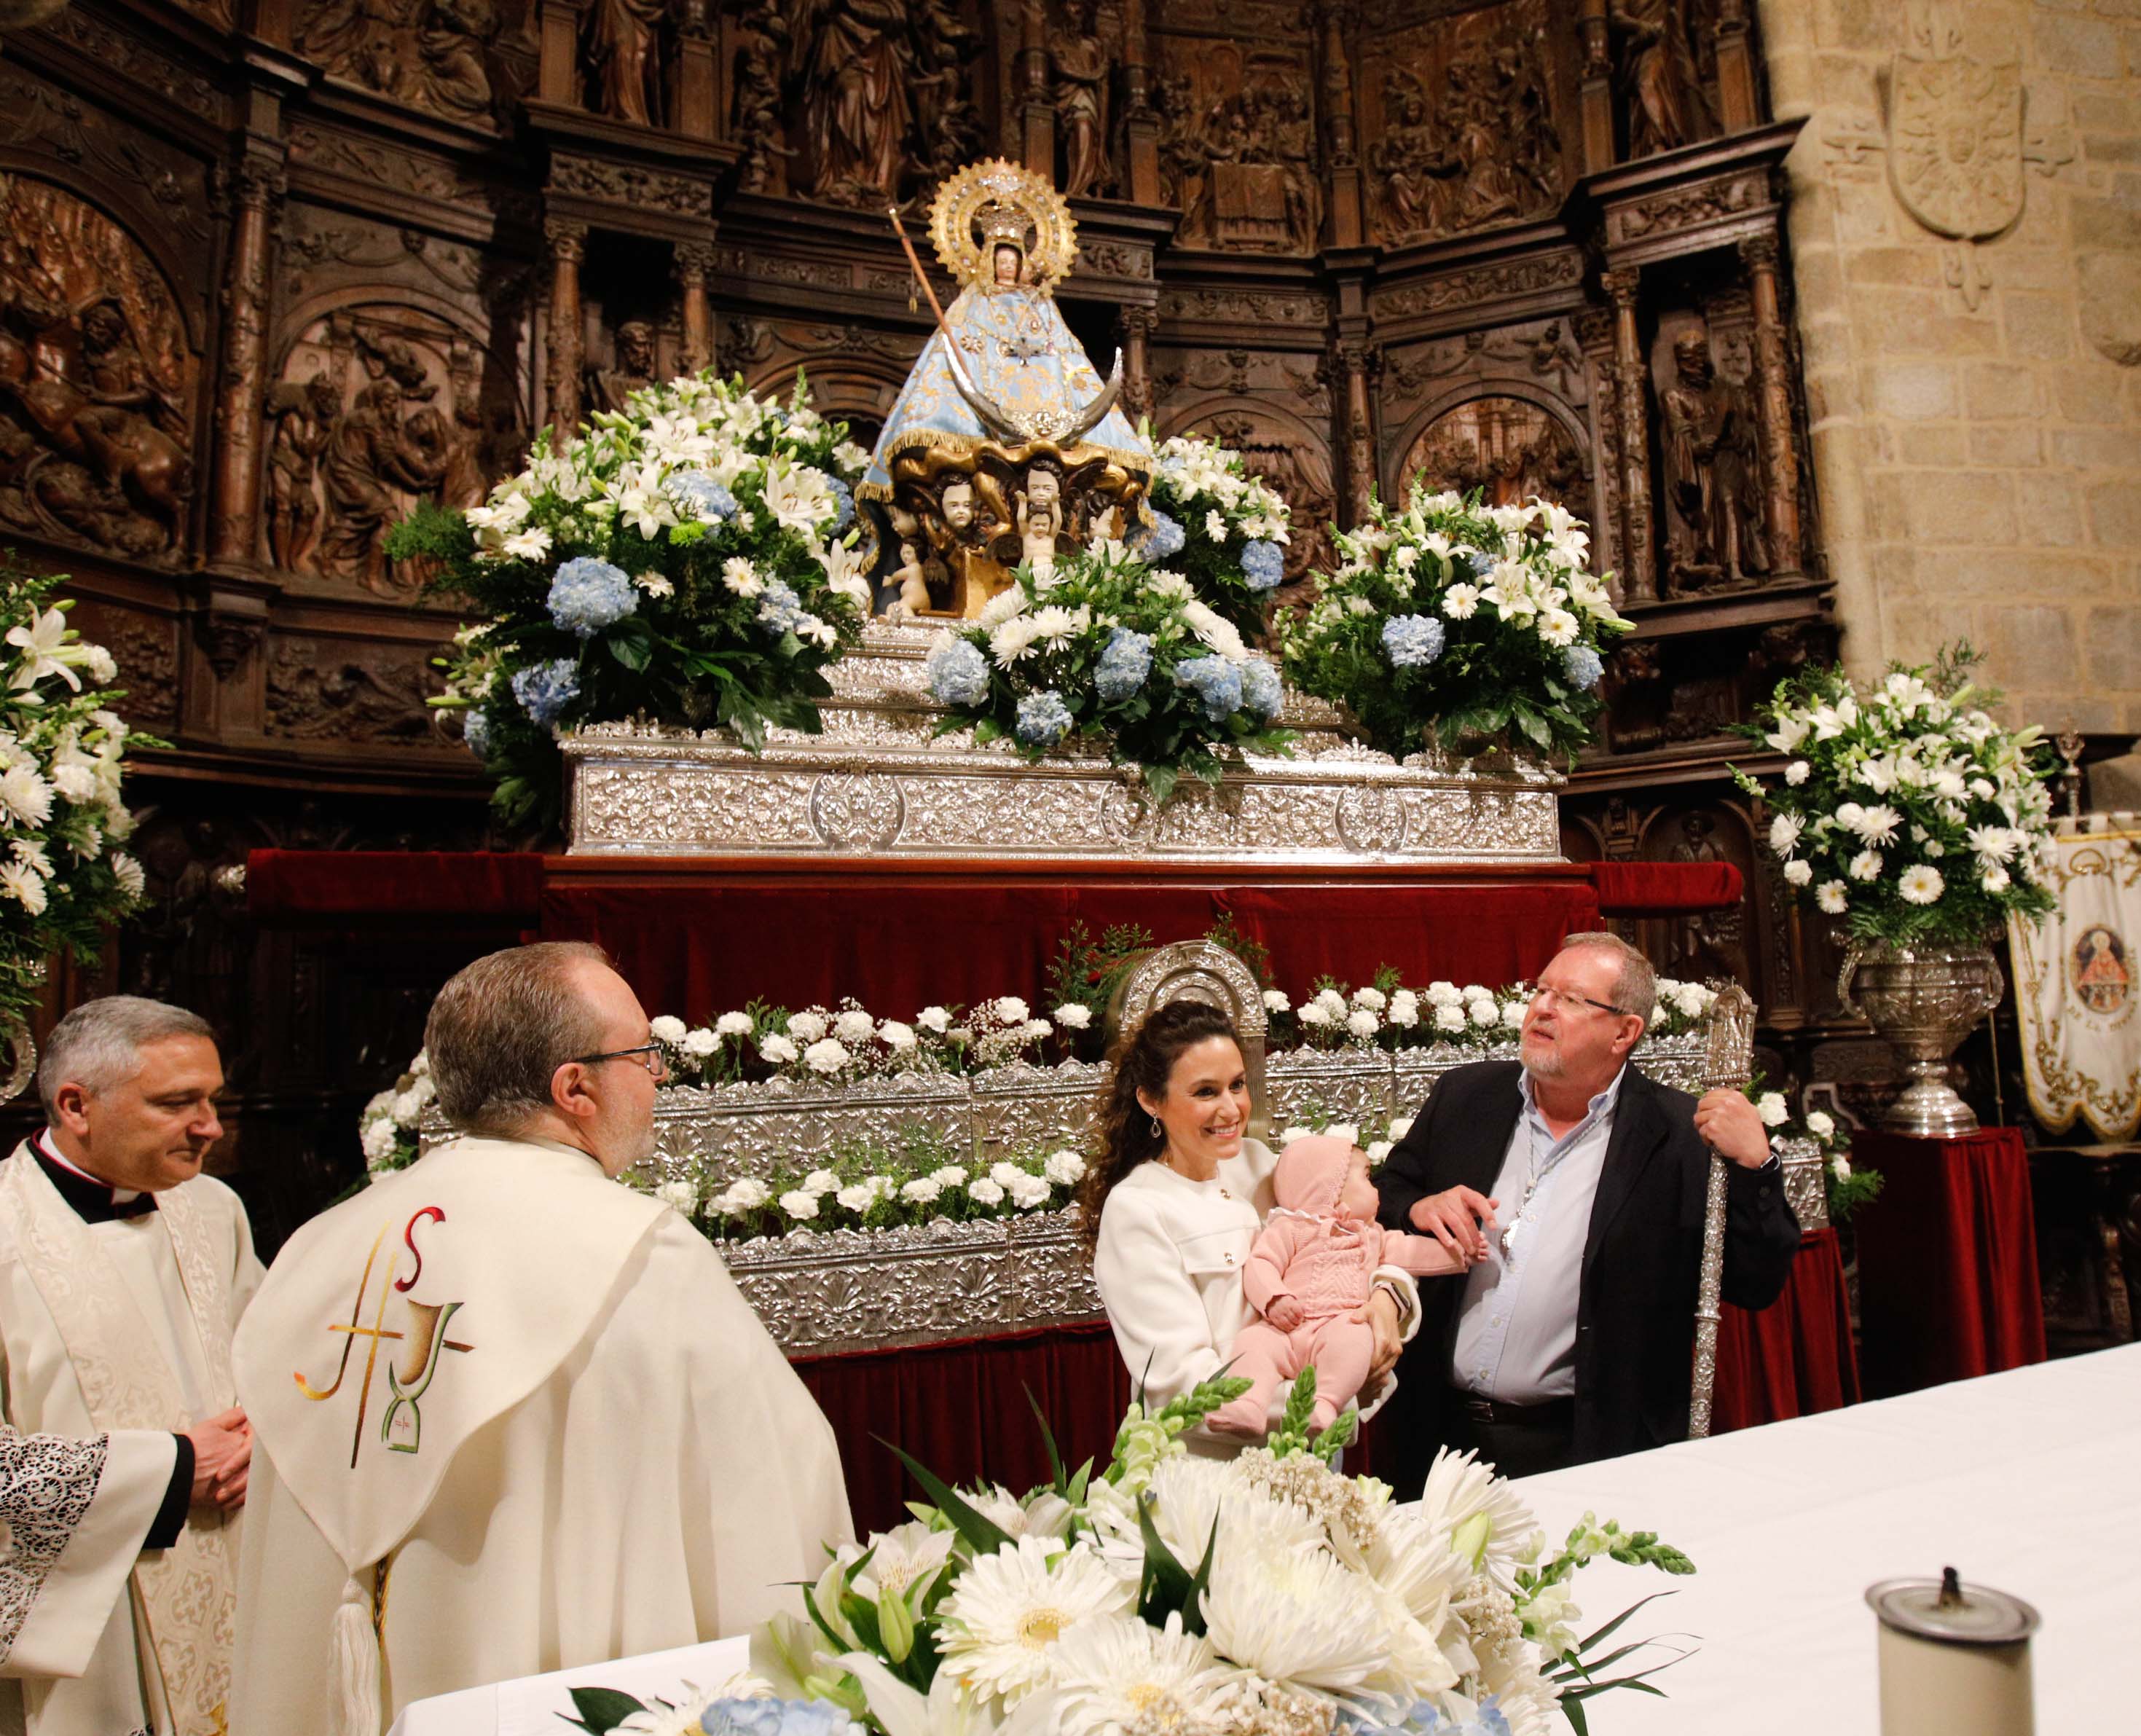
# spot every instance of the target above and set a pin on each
(1516, 1332)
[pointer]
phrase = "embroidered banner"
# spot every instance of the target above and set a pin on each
(2075, 991)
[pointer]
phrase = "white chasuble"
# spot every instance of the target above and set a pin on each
(511, 1417)
(122, 1330)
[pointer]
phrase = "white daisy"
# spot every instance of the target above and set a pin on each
(1831, 896)
(1000, 1622)
(1119, 1673)
(1922, 885)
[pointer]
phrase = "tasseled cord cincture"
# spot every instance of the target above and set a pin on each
(356, 1660)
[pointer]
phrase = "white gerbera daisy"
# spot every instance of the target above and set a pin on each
(1119, 1673)
(1922, 885)
(1000, 1622)
(1831, 897)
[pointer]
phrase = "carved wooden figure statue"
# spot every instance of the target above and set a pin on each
(608, 388)
(624, 57)
(304, 418)
(1080, 60)
(1712, 475)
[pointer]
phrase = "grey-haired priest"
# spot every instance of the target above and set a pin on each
(123, 1462)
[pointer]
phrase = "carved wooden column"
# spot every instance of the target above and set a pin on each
(1631, 387)
(569, 243)
(1359, 361)
(1039, 110)
(558, 46)
(234, 531)
(1594, 335)
(1140, 125)
(695, 262)
(1773, 376)
(1135, 326)
(698, 81)
(1597, 87)
(1736, 110)
(1345, 228)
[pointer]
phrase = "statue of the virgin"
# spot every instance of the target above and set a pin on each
(1005, 443)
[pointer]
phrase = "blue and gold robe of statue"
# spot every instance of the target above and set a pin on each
(1018, 353)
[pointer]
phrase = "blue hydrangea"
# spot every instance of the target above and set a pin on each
(546, 689)
(1043, 719)
(779, 607)
(1263, 564)
(1216, 683)
(844, 497)
(1261, 692)
(1412, 641)
(1124, 665)
(1480, 565)
(587, 595)
(1423, 1718)
(958, 673)
(705, 496)
(777, 1717)
(476, 732)
(1583, 666)
(1163, 539)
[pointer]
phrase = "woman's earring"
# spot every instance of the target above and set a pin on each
(1158, 1131)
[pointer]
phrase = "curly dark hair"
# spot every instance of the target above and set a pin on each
(1120, 1137)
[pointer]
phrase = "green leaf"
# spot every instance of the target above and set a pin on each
(1047, 1440)
(601, 1710)
(635, 653)
(987, 729)
(982, 1534)
(1160, 782)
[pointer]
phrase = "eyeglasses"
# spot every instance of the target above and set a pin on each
(1562, 1001)
(648, 1055)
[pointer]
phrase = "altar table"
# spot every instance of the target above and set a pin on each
(1947, 1259)
(2023, 1481)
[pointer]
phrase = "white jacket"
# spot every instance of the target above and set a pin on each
(1168, 1268)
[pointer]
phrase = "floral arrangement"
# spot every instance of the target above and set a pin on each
(388, 1129)
(915, 1177)
(1846, 1189)
(1105, 650)
(692, 559)
(1225, 529)
(1263, 1595)
(840, 1045)
(1384, 1013)
(1905, 810)
(63, 759)
(1480, 622)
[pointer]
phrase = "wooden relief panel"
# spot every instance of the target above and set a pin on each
(1237, 144)
(1507, 449)
(97, 381)
(1462, 123)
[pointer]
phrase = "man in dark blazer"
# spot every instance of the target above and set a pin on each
(1576, 1186)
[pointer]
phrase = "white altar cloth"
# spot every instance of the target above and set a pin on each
(538, 1705)
(2028, 1481)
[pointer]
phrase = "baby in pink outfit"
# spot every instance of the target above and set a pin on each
(1310, 1275)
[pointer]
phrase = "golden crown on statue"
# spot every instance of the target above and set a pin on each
(995, 202)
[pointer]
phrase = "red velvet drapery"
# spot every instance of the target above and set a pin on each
(1947, 1259)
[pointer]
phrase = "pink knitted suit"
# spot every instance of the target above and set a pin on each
(1327, 1263)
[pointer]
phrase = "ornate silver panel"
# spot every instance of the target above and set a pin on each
(1806, 1184)
(877, 783)
(1346, 1085)
(1023, 1108)
(858, 1291)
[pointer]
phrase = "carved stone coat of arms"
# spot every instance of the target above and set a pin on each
(1955, 144)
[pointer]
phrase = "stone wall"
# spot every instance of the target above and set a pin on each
(1965, 227)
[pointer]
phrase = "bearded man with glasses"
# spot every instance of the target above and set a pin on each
(1575, 1186)
(514, 1417)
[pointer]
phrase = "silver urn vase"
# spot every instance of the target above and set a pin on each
(18, 1059)
(1924, 1000)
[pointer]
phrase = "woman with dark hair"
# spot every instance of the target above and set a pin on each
(1173, 1196)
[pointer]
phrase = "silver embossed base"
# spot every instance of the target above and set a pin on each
(878, 783)
(855, 1291)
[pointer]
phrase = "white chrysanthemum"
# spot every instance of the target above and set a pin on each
(798, 1205)
(667, 1029)
(896, 1036)
(1772, 1109)
(1000, 608)
(806, 1027)
(1922, 885)
(778, 1050)
(1294, 1614)
(26, 799)
(854, 1025)
(1831, 896)
(1065, 1168)
(999, 1625)
(732, 1024)
(1460, 1491)
(1119, 1673)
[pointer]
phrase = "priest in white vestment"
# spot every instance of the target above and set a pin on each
(512, 1416)
(123, 1270)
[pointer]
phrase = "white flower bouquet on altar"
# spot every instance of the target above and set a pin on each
(1481, 621)
(62, 758)
(1384, 1013)
(1907, 810)
(1225, 529)
(389, 1130)
(1264, 1596)
(842, 1045)
(1104, 649)
(692, 560)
